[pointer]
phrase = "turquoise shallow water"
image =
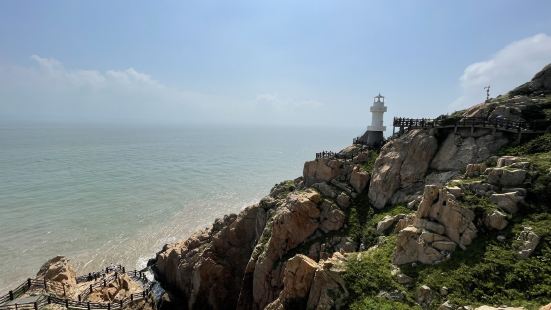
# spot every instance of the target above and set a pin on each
(117, 195)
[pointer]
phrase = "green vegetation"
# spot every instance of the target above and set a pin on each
(362, 219)
(490, 272)
(539, 144)
(369, 273)
(477, 203)
(368, 165)
(376, 303)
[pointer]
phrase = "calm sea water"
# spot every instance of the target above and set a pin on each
(117, 195)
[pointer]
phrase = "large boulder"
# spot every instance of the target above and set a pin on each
(506, 177)
(359, 179)
(321, 170)
(58, 272)
(402, 164)
(457, 151)
(328, 289)
(496, 220)
(507, 201)
(387, 222)
(527, 240)
(297, 278)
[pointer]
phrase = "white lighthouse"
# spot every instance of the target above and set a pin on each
(374, 134)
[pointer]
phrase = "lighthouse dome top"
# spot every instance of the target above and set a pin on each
(379, 98)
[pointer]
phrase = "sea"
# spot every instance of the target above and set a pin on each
(105, 195)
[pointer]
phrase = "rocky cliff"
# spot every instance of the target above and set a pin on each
(370, 229)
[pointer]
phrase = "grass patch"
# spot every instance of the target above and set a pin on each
(475, 202)
(375, 303)
(369, 273)
(370, 163)
(538, 144)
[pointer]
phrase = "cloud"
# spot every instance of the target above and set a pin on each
(49, 91)
(277, 103)
(511, 66)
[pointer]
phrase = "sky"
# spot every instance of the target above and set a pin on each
(282, 63)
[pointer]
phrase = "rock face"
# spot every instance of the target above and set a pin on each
(59, 271)
(321, 170)
(540, 83)
(440, 225)
(207, 268)
(457, 151)
(402, 165)
(328, 289)
(297, 280)
(289, 226)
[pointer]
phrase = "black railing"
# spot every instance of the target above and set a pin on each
(498, 123)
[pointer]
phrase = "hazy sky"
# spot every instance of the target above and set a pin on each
(261, 62)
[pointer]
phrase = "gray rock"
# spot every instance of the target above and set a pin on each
(507, 202)
(496, 220)
(506, 177)
(343, 200)
(456, 152)
(402, 163)
(387, 222)
(321, 170)
(359, 179)
(424, 294)
(528, 242)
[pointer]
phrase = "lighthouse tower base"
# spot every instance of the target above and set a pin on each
(372, 138)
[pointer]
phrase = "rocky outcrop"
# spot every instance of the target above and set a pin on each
(474, 170)
(540, 83)
(402, 165)
(387, 222)
(506, 177)
(507, 201)
(58, 272)
(291, 224)
(440, 225)
(359, 179)
(527, 240)
(328, 289)
(207, 269)
(459, 150)
(120, 289)
(321, 170)
(297, 279)
(496, 220)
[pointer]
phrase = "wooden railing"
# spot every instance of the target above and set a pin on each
(498, 123)
(7, 300)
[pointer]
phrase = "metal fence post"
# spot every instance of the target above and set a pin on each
(11, 295)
